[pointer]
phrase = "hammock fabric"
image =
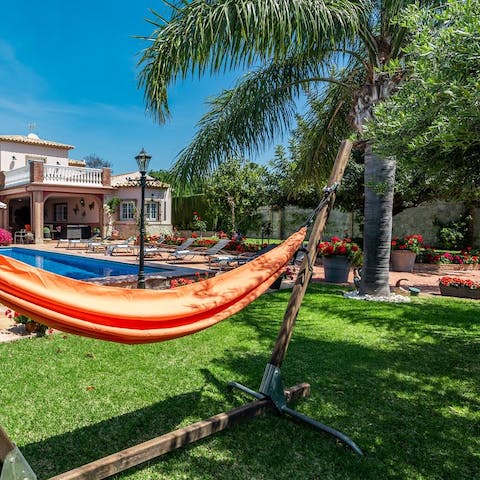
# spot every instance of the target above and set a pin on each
(139, 316)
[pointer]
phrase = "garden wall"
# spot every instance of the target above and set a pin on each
(287, 220)
(421, 220)
(417, 220)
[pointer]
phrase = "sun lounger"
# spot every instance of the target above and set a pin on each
(210, 252)
(172, 251)
(94, 247)
(75, 242)
(82, 242)
(61, 241)
(153, 250)
(225, 262)
(127, 248)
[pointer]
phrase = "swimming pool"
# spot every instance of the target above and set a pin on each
(85, 268)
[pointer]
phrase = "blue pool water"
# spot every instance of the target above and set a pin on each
(80, 268)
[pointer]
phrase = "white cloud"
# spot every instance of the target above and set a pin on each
(15, 76)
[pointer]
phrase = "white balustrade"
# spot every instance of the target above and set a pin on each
(58, 174)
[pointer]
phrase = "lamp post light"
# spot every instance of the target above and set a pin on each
(143, 159)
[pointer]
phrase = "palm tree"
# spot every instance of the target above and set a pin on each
(298, 45)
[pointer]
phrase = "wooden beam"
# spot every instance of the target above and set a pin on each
(304, 274)
(156, 447)
(6, 445)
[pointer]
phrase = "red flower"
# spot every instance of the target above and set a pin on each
(459, 283)
(344, 247)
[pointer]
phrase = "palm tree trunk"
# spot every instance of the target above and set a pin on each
(379, 185)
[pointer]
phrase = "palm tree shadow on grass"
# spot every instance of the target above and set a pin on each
(371, 396)
(398, 391)
(393, 403)
(71, 449)
(392, 397)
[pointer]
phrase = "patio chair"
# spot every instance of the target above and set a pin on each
(20, 236)
(210, 252)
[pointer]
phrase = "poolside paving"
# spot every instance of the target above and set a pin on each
(423, 278)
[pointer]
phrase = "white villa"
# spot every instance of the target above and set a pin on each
(43, 187)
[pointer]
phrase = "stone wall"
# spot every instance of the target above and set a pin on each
(417, 220)
(287, 220)
(420, 220)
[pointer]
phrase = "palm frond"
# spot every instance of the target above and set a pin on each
(326, 124)
(243, 120)
(210, 36)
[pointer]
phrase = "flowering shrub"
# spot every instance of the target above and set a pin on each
(409, 242)
(240, 246)
(289, 272)
(5, 237)
(466, 257)
(198, 223)
(205, 242)
(459, 283)
(179, 282)
(174, 240)
(153, 238)
(345, 247)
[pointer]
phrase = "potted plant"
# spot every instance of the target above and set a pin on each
(199, 224)
(459, 287)
(31, 326)
(404, 251)
(338, 256)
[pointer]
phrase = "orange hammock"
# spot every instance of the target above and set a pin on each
(139, 316)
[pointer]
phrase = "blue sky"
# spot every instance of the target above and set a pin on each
(70, 67)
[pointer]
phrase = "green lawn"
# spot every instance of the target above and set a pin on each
(402, 380)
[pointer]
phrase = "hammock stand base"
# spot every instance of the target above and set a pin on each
(271, 395)
(271, 388)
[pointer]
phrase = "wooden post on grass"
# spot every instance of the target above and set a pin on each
(305, 273)
(120, 461)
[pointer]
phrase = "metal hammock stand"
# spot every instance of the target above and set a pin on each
(271, 395)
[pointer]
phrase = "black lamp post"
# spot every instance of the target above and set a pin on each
(143, 159)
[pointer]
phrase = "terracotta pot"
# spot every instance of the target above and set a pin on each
(402, 260)
(336, 269)
(31, 327)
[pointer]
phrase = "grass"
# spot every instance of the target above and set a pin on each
(402, 380)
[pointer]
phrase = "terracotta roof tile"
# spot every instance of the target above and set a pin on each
(132, 180)
(33, 140)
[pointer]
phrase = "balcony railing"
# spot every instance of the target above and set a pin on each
(55, 175)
